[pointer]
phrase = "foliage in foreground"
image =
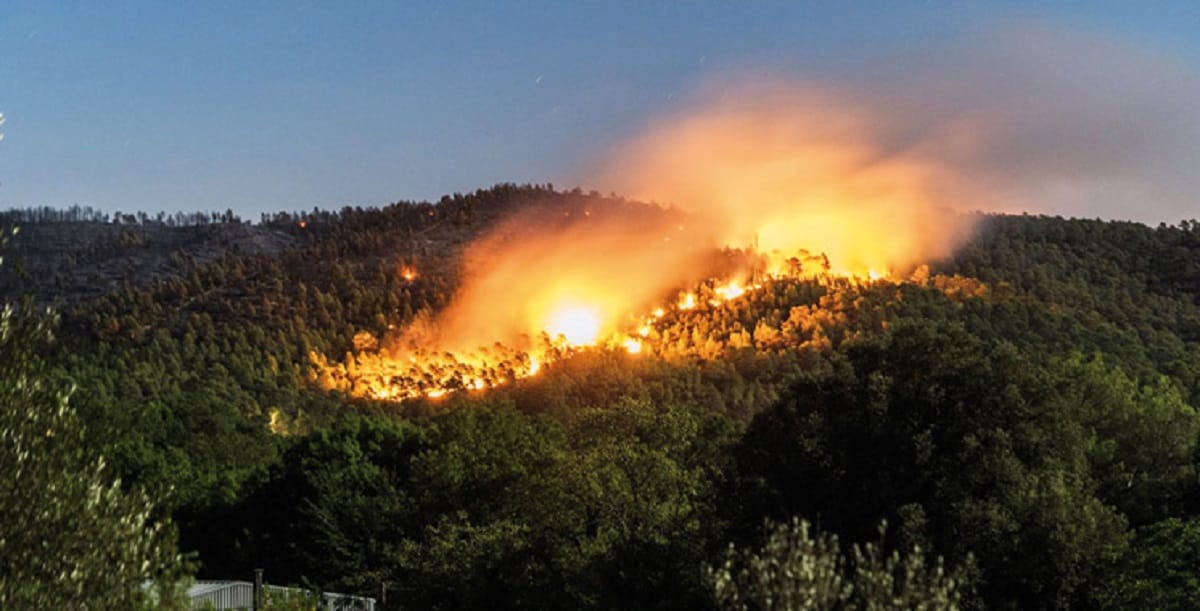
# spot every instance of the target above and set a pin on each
(800, 568)
(70, 537)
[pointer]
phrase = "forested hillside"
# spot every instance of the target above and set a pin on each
(1023, 412)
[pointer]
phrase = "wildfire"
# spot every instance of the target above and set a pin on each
(527, 306)
(571, 324)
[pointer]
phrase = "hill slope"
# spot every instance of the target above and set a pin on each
(1029, 402)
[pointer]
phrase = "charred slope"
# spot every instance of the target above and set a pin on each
(73, 261)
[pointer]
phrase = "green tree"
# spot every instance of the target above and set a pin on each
(637, 488)
(1160, 570)
(969, 449)
(70, 537)
(798, 567)
(1140, 438)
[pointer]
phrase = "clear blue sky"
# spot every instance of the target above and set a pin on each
(261, 106)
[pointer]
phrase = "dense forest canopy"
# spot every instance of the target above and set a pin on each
(1021, 414)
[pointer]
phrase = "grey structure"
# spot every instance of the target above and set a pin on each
(222, 595)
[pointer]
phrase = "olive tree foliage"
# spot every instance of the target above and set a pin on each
(800, 568)
(70, 537)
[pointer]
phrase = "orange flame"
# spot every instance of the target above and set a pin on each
(408, 272)
(732, 290)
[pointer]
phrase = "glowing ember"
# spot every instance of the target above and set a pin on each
(687, 302)
(632, 346)
(408, 272)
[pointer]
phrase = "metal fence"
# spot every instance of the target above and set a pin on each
(239, 595)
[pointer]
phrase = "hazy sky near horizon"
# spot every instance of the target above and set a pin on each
(268, 106)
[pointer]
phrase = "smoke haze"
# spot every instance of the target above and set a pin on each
(1028, 118)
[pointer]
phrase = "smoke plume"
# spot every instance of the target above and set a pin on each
(1026, 118)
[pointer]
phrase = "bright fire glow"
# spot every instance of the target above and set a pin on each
(578, 325)
(733, 290)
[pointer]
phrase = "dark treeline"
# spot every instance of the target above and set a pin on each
(87, 214)
(1024, 411)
